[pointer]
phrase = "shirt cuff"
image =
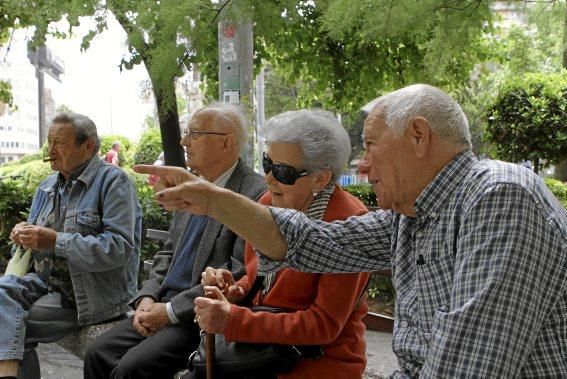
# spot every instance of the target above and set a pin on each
(170, 313)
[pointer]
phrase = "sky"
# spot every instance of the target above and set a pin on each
(93, 84)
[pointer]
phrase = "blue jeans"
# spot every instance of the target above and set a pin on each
(16, 297)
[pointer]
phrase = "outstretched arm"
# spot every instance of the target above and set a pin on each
(178, 189)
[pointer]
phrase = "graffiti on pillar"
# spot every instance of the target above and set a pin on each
(228, 52)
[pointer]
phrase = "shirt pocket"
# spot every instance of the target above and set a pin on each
(434, 285)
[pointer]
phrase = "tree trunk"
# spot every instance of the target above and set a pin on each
(561, 167)
(169, 123)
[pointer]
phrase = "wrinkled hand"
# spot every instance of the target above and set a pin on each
(178, 189)
(145, 305)
(224, 280)
(152, 318)
(212, 313)
(33, 236)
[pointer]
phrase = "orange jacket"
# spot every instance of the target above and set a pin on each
(324, 306)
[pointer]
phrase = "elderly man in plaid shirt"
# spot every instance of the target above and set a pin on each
(477, 248)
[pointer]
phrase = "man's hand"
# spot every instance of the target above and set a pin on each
(224, 280)
(179, 190)
(154, 318)
(145, 305)
(212, 313)
(33, 236)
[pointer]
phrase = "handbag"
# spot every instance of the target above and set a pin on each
(19, 264)
(251, 358)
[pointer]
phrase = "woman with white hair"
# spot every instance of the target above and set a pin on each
(307, 150)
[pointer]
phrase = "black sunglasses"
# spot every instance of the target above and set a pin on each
(283, 173)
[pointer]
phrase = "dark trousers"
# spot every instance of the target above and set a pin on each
(123, 353)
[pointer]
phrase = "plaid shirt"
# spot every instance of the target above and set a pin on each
(480, 273)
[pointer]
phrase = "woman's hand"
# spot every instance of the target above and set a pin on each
(212, 312)
(224, 280)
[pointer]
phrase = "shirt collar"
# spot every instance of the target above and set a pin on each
(74, 175)
(435, 195)
(223, 178)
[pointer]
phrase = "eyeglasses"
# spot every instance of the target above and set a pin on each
(195, 134)
(283, 173)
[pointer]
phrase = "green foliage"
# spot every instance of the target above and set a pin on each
(279, 96)
(31, 172)
(149, 147)
(527, 119)
(126, 148)
(559, 189)
(155, 217)
(364, 192)
(15, 201)
(6, 93)
(381, 286)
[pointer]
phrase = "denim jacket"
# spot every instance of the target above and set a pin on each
(102, 229)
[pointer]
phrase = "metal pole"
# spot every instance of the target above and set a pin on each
(260, 116)
(235, 72)
(40, 97)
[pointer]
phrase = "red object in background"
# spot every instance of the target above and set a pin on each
(229, 31)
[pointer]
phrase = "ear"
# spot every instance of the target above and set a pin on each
(90, 145)
(420, 135)
(229, 142)
(322, 179)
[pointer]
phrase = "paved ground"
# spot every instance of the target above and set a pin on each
(56, 363)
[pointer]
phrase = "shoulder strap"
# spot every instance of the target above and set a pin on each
(256, 286)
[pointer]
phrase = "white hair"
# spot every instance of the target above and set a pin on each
(444, 115)
(223, 117)
(323, 140)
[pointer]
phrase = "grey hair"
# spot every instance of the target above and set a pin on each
(84, 127)
(444, 115)
(323, 140)
(223, 116)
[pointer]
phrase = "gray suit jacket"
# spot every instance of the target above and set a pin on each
(219, 248)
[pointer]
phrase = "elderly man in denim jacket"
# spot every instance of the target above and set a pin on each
(84, 228)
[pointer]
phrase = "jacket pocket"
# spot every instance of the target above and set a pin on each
(88, 221)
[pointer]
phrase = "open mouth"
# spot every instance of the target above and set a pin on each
(49, 159)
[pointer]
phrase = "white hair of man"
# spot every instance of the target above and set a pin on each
(444, 115)
(224, 117)
(323, 140)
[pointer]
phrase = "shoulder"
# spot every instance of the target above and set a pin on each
(250, 183)
(510, 181)
(342, 205)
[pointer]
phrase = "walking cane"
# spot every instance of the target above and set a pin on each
(210, 354)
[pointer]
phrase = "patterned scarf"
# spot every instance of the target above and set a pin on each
(315, 212)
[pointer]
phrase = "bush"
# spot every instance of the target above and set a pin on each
(364, 192)
(527, 119)
(15, 202)
(155, 217)
(559, 189)
(149, 147)
(31, 173)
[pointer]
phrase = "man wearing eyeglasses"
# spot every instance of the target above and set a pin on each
(478, 248)
(162, 333)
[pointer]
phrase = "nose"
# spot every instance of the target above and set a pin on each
(269, 178)
(364, 165)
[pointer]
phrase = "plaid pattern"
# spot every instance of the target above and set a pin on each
(480, 273)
